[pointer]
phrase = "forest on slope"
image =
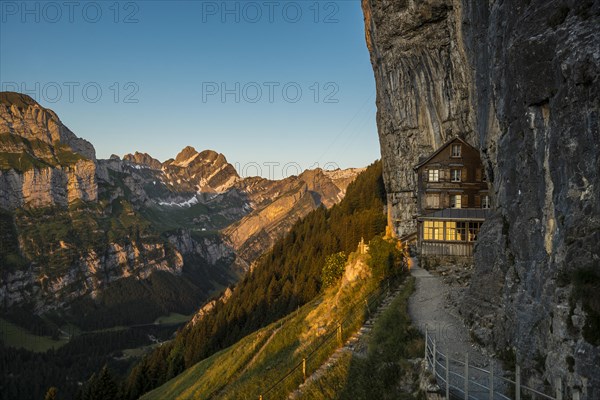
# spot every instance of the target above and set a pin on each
(285, 278)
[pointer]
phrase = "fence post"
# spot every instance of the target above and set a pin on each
(491, 379)
(426, 345)
(466, 376)
(339, 334)
(517, 382)
(447, 376)
(304, 368)
(367, 305)
(260, 397)
(559, 388)
(433, 360)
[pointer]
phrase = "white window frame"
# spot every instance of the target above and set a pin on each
(485, 201)
(456, 154)
(457, 203)
(456, 175)
(433, 175)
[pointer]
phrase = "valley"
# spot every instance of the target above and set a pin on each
(125, 250)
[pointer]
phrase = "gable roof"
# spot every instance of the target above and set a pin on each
(442, 147)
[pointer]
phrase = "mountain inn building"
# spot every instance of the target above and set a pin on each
(452, 200)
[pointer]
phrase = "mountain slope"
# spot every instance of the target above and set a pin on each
(249, 367)
(76, 226)
(90, 244)
(283, 279)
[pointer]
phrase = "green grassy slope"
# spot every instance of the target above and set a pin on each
(251, 366)
(15, 336)
(385, 372)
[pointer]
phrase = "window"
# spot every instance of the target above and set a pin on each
(474, 231)
(455, 201)
(455, 175)
(485, 201)
(434, 175)
(433, 230)
(432, 200)
(456, 150)
(456, 231)
(450, 230)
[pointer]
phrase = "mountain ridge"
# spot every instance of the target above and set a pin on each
(102, 218)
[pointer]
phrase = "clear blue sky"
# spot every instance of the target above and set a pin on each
(175, 58)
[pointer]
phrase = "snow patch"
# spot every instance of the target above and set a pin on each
(187, 203)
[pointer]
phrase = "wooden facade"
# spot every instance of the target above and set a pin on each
(453, 200)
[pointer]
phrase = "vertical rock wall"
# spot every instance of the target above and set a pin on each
(520, 80)
(423, 91)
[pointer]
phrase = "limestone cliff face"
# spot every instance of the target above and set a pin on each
(23, 116)
(39, 187)
(87, 275)
(423, 90)
(42, 162)
(277, 205)
(519, 80)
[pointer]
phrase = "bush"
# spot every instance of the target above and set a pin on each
(386, 257)
(335, 265)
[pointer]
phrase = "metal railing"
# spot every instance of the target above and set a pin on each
(332, 340)
(460, 380)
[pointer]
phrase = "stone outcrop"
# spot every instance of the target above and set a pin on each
(207, 308)
(144, 159)
(207, 171)
(48, 186)
(43, 162)
(520, 81)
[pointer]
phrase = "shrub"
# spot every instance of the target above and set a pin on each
(335, 265)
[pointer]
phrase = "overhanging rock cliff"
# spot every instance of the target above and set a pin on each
(519, 80)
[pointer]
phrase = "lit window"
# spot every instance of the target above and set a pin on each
(455, 201)
(455, 175)
(434, 175)
(485, 201)
(456, 149)
(450, 230)
(433, 230)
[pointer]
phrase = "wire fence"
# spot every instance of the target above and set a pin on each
(329, 343)
(461, 380)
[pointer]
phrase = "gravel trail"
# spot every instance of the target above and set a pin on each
(431, 306)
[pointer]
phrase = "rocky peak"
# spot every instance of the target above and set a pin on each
(23, 116)
(207, 171)
(144, 159)
(19, 100)
(43, 162)
(185, 155)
